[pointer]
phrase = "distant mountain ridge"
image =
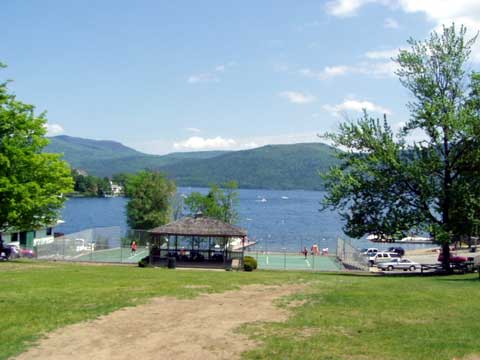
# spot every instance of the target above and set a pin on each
(294, 166)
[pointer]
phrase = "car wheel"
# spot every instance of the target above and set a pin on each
(390, 268)
(412, 268)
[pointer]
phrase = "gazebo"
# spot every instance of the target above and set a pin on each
(197, 242)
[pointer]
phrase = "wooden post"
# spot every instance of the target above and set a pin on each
(209, 247)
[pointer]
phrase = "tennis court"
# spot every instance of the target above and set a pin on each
(289, 261)
(279, 261)
(114, 255)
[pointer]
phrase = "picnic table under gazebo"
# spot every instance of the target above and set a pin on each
(197, 242)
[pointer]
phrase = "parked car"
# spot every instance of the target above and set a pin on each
(400, 264)
(369, 251)
(381, 257)
(397, 249)
(28, 253)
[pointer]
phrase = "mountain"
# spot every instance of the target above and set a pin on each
(105, 157)
(294, 166)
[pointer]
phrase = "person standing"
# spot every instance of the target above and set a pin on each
(305, 252)
(133, 247)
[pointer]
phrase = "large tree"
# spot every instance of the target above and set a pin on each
(220, 202)
(150, 195)
(387, 184)
(33, 184)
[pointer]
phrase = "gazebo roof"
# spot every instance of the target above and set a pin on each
(199, 226)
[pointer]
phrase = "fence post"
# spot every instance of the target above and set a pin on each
(285, 258)
(313, 262)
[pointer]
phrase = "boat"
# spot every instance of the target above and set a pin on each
(284, 197)
(416, 240)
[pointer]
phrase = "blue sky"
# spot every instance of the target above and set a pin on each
(164, 76)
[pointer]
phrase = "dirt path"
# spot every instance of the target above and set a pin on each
(168, 328)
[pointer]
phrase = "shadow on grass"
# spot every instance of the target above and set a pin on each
(470, 279)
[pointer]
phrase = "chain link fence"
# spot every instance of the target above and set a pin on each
(109, 244)
(112, 245)
(350, 256)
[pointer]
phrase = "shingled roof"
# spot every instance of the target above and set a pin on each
(199, 226)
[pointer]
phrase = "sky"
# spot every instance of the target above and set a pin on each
(164, 76)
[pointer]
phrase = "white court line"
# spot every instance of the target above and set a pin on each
(137, 254)
(308, 263)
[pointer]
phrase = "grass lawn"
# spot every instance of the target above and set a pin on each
(339, 317)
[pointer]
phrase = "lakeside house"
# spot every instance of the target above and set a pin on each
(117, 190)
(28, 239)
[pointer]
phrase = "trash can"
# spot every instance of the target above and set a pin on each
(171, 262)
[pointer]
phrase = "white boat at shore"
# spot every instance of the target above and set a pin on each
(416, 240)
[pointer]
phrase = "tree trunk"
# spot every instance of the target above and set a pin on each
(446, 257)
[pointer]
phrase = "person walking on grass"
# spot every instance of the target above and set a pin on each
(133, 247)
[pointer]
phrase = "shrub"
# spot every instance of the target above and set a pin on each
(144, 262)
(249, 263)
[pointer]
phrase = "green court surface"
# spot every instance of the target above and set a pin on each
(279, 261)
(115, 255)
(289, 261)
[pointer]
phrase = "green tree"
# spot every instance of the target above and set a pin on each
(220, 202)
(32, 183)
(386, 184)
(149, 203)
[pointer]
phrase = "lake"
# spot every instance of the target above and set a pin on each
(275, 219)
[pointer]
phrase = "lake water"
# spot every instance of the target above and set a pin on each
(287, 219)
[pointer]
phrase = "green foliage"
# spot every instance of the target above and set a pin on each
(249, 263)
(386, 185)
(292, 166)
(220, 202)
(150, 195)
(32, 183)
(89, 185)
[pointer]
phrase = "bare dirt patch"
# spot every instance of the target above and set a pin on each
(169, 328)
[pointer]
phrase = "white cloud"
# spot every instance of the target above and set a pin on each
(327, 72)
(194, 130)
(200, 143)
(345, 8)
(382, 54)
(202, 78)
(390, 23)
(379, 69)
(210, 76)
(439, 12)
(164, 146)
(54, 129)
(355, 106)
(297, 97)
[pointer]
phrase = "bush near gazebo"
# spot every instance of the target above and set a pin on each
(249, 263)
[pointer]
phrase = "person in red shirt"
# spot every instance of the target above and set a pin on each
(133, 247)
